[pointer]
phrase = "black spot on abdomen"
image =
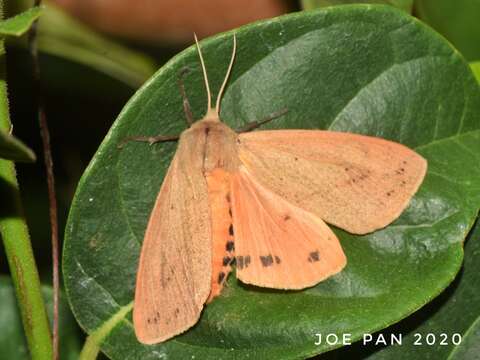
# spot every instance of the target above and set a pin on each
(314, 256)
(226, 260)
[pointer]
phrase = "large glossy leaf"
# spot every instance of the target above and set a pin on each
(450, 323)
(12, 338)
(365, 69)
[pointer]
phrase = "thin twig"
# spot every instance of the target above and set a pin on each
(47, 153)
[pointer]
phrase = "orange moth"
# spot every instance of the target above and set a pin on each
(261, 199)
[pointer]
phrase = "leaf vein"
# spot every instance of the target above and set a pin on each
(453, 137)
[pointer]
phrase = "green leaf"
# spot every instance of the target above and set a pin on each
(13, 149)
(475, 66)
(455, 311)
(18, 25)
(364, 69)
(470, 346)
(405, 5)
(456, 20)
(12, 339)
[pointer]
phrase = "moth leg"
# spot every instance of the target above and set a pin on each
(150, 139)
(255, 124)
(162, 138)
(186, 104)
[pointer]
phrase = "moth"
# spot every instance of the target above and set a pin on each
(261, 199)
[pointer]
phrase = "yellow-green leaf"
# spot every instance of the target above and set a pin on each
(19, 24)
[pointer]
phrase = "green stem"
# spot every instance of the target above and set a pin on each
(16, 240)
(90, 349)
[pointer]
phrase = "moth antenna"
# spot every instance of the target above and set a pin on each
(219, 97)
(205, 77)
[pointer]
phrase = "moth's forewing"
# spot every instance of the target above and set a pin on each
(358, 183)
(174, 272)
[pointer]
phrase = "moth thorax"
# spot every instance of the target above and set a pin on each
(220, 147)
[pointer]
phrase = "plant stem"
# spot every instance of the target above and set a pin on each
(90, 349)
(52, 198)
(16, 240)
